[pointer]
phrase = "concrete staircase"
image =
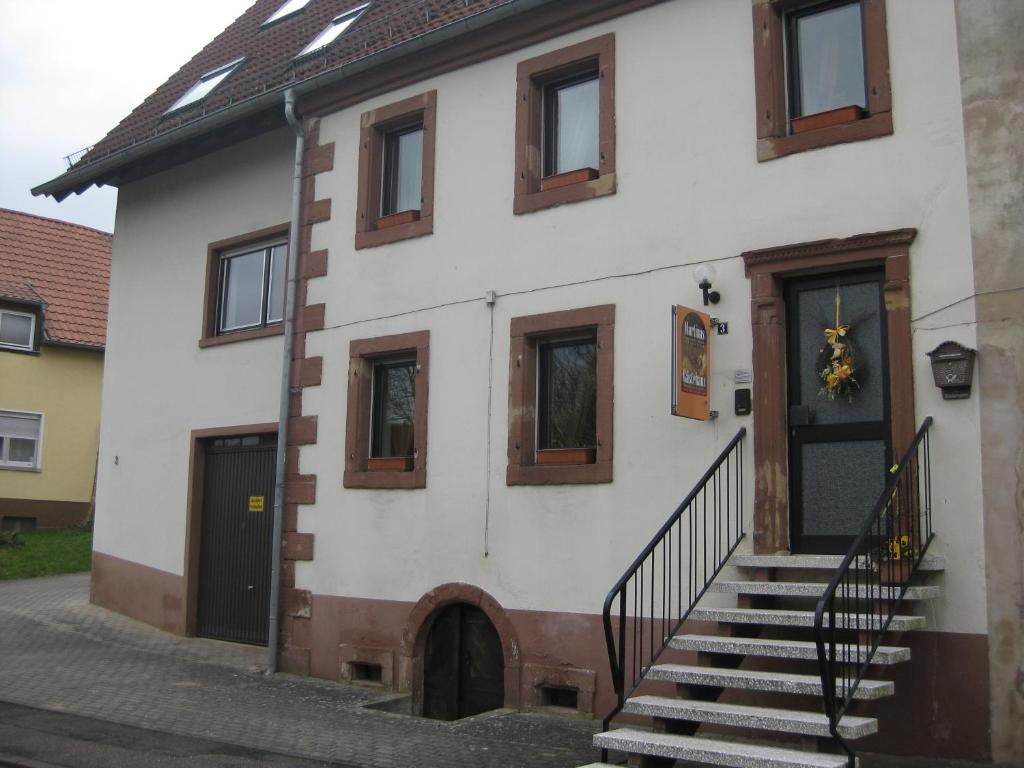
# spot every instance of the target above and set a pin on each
(754, 699)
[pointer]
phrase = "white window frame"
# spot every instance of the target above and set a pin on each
(30, 347)
(267, 282)
(203, 86)
(37, 459)
(339, 25)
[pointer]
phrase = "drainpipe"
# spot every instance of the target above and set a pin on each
(286, 369)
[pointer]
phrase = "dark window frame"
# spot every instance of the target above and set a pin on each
(266, 289)
(377, 403)
(210, 335)
(545, 346)
(773, 85)
(551, 115)
(372, 227)
(363, 354)
(392, 169)
(533, 190)
(527, 334)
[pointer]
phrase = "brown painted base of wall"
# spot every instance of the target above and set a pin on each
(47, 514)
(138, 591)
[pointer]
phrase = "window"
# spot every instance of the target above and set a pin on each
(289, 8)
(21, 436)
(565, 126)
(246, 278)
(560, 397)
(821, 74)
(396, 172)
(17, 330)
(205, 85)
(338, 26)
(386, 431)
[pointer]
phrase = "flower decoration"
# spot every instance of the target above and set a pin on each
(837, 360)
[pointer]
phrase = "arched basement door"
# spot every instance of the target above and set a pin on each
(463, 666)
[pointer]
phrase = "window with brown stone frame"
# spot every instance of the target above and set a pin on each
(821, 74)
(245, 287)
(561, 393)
(565, 126)
(386, 432)
(396, 171)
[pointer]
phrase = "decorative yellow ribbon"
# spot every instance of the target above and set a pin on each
(834, 334)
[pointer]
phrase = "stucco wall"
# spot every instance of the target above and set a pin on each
(689, 190)
(63, 385)
(991, 63)
(159, 384)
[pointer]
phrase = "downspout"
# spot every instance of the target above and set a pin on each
(286, 369)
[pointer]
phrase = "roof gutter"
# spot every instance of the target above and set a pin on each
(77, 180)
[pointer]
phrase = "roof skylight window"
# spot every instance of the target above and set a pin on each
(205, 85)
(290, 7)
(334, 30)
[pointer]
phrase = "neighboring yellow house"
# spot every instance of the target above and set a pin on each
(54, 282)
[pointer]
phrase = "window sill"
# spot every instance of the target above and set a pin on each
(560, 457)
(570, 193)
(396, 219)
(252, 333)
(564, 474)
(841, 116)
(4, 467)
(390, 464)
(383, 480)
(560, 180)
(869, 127)
(392, 232)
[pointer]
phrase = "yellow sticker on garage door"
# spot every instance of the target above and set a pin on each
(256, 503)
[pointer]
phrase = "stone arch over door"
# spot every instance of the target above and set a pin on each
(767, 269)
(418, 626)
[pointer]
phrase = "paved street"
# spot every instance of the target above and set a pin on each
(61, 654)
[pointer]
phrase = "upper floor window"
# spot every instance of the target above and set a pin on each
(396, 171)
(565, 126)
(252, 282)
(338, 26)
(20, 439)
(17, 330)
(393, 417)
(205, 85)
(821, 74)
(567, 396)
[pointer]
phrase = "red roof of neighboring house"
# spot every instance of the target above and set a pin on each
(62, 265)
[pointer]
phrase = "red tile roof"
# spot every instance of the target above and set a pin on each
(65, 265)
(270, 52)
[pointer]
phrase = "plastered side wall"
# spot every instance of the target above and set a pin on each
(689, 190)
(991, 63)
(159, 384)
(63, 385)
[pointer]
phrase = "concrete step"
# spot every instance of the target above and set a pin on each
(777, 649)
(931, 563)
(751, 680)
(764, 718)
(782, 618)
(811, 589)
(713, 751)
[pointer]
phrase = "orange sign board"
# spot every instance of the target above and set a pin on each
(691, 363)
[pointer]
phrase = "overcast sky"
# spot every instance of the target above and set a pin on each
(70, 70)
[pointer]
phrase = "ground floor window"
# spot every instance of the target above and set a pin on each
(21, 436)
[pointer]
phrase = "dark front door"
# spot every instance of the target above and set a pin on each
(236, 540)
(839, 432)
(463, 667)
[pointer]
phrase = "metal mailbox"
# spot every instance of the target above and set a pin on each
(953, 369)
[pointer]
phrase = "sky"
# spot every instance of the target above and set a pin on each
(70, 70)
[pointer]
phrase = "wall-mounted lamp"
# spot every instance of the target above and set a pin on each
(705, 275)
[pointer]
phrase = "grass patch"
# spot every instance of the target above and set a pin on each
(44, 553)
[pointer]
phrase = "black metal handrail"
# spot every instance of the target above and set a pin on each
(657, 592)
(872, 580)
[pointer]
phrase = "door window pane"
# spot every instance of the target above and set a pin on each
(829, 59)
(567, 391)
(572, 126)
(403, 171)
(394, 408)
(841, 482)
(15, 330)
(243, 291)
